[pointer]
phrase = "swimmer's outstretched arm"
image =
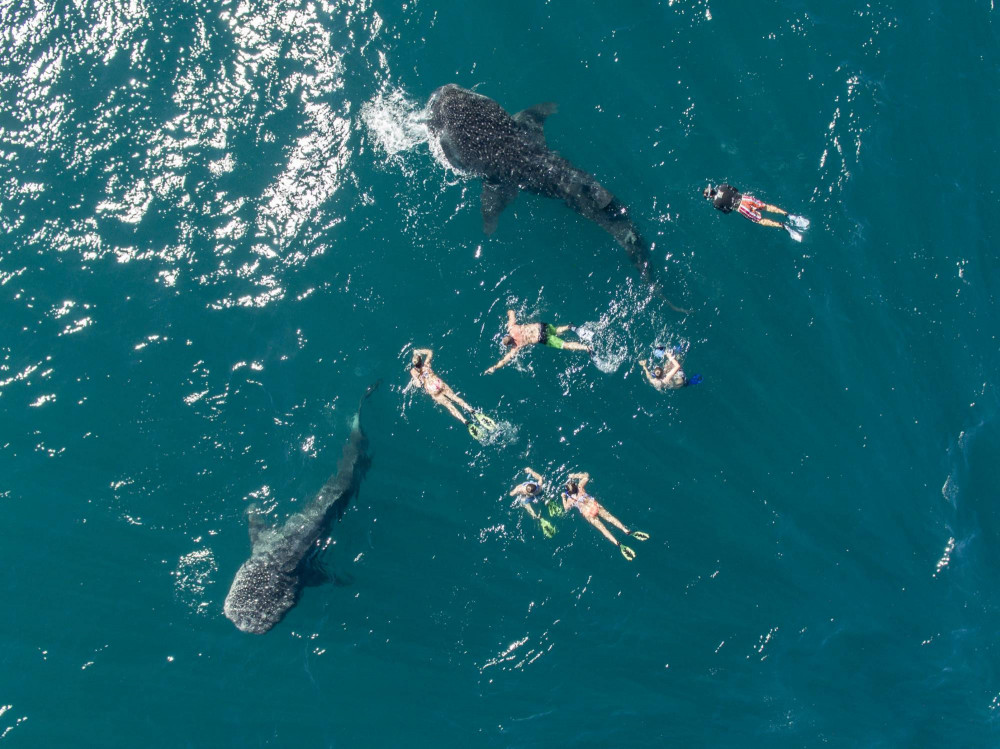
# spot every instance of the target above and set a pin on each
(675, 365)
(426, 353)
(583, 478)
(535, 475)
(506, 360)
(567, 501)
(649, 375)
(511, 317)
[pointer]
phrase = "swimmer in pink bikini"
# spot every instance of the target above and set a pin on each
(423, 377)
(574, 494)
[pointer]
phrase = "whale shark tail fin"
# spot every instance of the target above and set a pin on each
(356, 421)
(496, 197)
(533, 119)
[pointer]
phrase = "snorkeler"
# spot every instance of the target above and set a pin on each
(519, 336)
(422, 376)
(727, 199)
(666, 373)
(528, 493)
(575, 495)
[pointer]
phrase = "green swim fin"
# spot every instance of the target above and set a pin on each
(475, 431)
(555, 508)
(639, 535)
(485, 421)
(548, 530)
(627, 552)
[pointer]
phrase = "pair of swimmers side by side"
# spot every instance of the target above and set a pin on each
(573, 494)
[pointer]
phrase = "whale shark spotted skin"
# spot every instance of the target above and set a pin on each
(267, 585)
(477, 137)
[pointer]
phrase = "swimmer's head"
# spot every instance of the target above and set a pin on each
(657, 372)
(709, 192)
(417, 360)
(508, 341)
(570, 487)
(530, 488)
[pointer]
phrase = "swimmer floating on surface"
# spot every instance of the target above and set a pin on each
(528, 493)
(423, 377)
(666, 373)
(727, 199)
(527, 334)
(575, 495)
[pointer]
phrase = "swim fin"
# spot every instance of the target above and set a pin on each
(474, 430)
(485, 421)
(799, 222)
(555, 508)
(626, 552)
(792, 233)
(548, 530)
(639, 535)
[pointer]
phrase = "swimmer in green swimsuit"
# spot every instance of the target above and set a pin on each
(527, 334)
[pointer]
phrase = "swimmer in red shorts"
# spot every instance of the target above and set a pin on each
(727, 199)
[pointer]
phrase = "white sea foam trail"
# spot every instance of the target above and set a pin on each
(395, 122)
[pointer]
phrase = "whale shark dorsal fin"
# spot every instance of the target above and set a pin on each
(533, 119)
(496, 197)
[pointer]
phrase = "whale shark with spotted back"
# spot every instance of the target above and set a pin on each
(479, 138)
(283, 559)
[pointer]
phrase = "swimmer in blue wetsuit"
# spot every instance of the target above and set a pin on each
(666, 372)
(529, 493)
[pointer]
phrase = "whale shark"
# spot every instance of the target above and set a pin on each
(479, 138)
(282, 559)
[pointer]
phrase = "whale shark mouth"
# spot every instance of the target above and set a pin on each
(260, 596)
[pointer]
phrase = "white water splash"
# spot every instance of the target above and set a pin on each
(395, 122)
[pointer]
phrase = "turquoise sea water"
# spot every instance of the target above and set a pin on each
(221, 221)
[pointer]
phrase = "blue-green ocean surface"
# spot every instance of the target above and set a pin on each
(221, 221)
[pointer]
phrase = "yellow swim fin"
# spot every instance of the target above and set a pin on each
(626, 552)
(548, 530)
(639, 536)
(485, 421)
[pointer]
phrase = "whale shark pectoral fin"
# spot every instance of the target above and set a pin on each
(533, 119)
(496, 197)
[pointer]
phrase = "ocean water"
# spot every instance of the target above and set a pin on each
(220, 222)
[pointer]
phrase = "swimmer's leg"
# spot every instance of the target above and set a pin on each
(603, 529)
(451, 408)
(449, 393)
(774, 209)
(575, 346)
(771, 222)
(612, 519)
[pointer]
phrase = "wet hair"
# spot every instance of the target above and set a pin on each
(508, 341)
(570, 487)
(531, 487)
(657, 372)
(417, 360)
